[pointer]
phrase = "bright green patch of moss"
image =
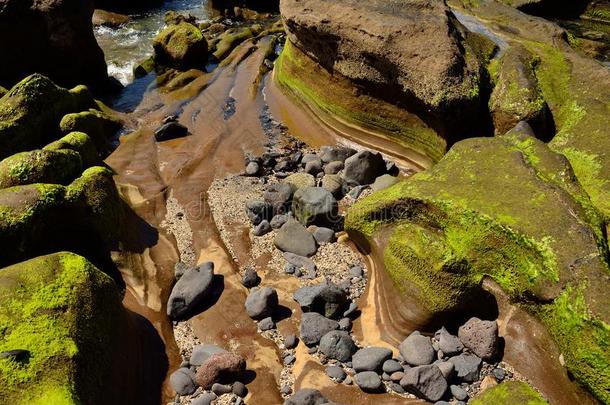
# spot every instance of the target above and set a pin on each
(78, 142)
(40, 166)
(100, 127)
(181, 46)
(229, 39)
(509, 393)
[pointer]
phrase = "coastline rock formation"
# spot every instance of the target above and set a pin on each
(51, 37)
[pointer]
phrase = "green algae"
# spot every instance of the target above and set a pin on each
(509, 393)
(40, 166)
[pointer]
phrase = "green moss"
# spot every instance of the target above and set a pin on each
(334, 95)
(229, 39)
(143, 68)
(509, 393)
(63, 311)
(99, 126)
(78, 142)
(3, 91)
(181, 46)
(40, 166)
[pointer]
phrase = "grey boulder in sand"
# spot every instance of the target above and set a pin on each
(190, 290)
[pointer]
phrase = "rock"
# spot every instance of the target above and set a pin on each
(324, 235)
(458, 392)
(309, 157)
(325, 298)
(417, 350)
(261, 302)
(204, 399)
(99, 126)
(262, 229)
(171, 17)
(78, 142)
(290, 268)
(333, 183)
(371, 358)
(363, 168)
(40, 166)
(357, 191)
(54, 38)
(280, 197)
(294, 238)
(229, 39)
(391, 366)
(288, 360)
(203, 352)
(252, 169)
(345, 324)
(314, 205)
(103, 18)
(300, 180)
(467, 366)
(446, 367)
(250, 278)
(240, 389)
(351, 309)
(336, 373)
(259, 211)
(313, 167)
(220, 367)
(330, 154)
(480, 336)
(333, 167)
(221, 389)
(449, 344)
(489, 381)
(190, 290)
(171, 130)
(266, 324)
(338, 345)
(286, 390)
(499, 373)
(291, 341)
(368, 381)
(182, 382)
(426, 382)
(508, 393)
(279, 220)
(181, 46)
(306, 396)
(397, 376)
(179, 269)
(383, 182)
(314, 326)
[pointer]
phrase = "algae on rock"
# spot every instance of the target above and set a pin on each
(509, 393)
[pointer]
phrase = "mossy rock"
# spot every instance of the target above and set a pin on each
(183, 79)
(3, 91)
(516, 96)
(511, 209)
(41, 218)
(30, 113)
(229, 40)
(509, 393)
(68, 315)
(40, 166)
(99, 126)
(143, 68)
(181, 46)
(78, 142)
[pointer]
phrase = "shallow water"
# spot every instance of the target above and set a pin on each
(132, 42)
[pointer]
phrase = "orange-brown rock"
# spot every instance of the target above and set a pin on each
(220, 367)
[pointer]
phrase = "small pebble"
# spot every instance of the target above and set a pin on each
(291, 341)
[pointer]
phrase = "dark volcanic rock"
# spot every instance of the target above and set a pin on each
(261, 302)
(314, 205)
(203, 352)
(306, 396)
(258, 211)
(330, 154)
(363, 168)
(467, 366)
(280, 197)
(182, 382)
(250, 278)
(325, 298)
(294, 238)
(371, 358)
(171, 130)
(190, 290)
(417, 350)
(314, 326)
(338, 345)
(368, 381)
(426, 382)
(480, 336)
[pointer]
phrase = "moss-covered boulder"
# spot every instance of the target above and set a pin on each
(40, 166)
(3, 91)
(78, 142)
(69, 318)
(84, 216)
(143, 68)
(511, 209)
(224, 44)
(99, 126)
(30, 113)
(516, 95)
(181, 46)
(509, 393)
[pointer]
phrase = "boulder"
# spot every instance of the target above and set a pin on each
(279, 220)
(250, 278)
(192, 288)
(510, 392)
(103, 18)
(363, 168)
(291, 341)
(324, 235)
(100, 127)
(300, 262)
(54, 38)
(239, 389)
(220, 367)
(262, 229)
(425, 381)
(203, 352)
(334, 184)
(330, 154)
(338, 345)
(40, 166)
(280, 197)
(314, 205)
(391, 366)
(261, 302)
(449, 344)
(300, 180)
(169, 131)
(258, 211)
(181, 46)
(182, 381)
(205, 399)
(333, 167)
(368, 381)
(78, 142)
(481, 337)
(313, 167)
(336, 373)
(314, 326)
(467, 366)
(417, 350)
(370, 358)
(383, 181)
(294, 238)
(325, 298)
(306, 396)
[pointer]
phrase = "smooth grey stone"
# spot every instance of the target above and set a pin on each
(447, 368)
(458, 392)
(309, 157)
(368, 381)
(314, 205)
(324, 235)
(348, 380)
(333, 167)
(384, 181)
(314, 326)
(397, 376)
(350, 310)
(294, 238)
(391, 366)
(290, 268)
(221, 389)
(183, 381)
(258, 211)
(356, 192)
(499, 373)
(417, 350)
(338, 345)
(426, 382)
(262, 229)
(481, 337)
(250, 278)
(356, 271)
(306, 396)
(394, 386)
(336, 373)
(313, 167)
(203, 352)
(279, 220)
(448, 343)
(266, 324)
(252, 169)
(291, 341)
(345, 324)
(288, 360)
(279, 196)
(190, 290)
(261, 302)
(239, 389)
(204, 399)
(334, 184)
(363, 168)
(467, 366)
(335, 153)
(371, 358)
(325, 298)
